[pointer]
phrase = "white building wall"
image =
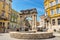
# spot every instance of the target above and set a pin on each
(42, 22)
(56, 26)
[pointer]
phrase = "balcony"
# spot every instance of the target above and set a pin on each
(3, 17)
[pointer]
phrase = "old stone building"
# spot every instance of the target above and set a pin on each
(9, 18)
(28, 19)
(5, 10)
(14, 20)
(52, 11)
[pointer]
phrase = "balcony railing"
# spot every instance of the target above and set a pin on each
(3, 17)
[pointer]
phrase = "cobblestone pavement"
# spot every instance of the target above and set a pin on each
(6, 36)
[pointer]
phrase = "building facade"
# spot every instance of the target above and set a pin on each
(5, 10)
(42, 26)
(42, 21)
(52, 13)
(9, 18)
(14, 20)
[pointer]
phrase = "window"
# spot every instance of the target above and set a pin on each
(52, 11)
(3, 13)
(53, 22)
(0, 23)
(3, 24)
(12, 18)
(9, 6)
(9, 17)
(13, 14)
(56, 1)
(59, 21)
(20, 16)
(51, 3)
(15, 20)
(3, 5)
(58, 10)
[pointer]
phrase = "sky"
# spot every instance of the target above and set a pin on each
(29, 4)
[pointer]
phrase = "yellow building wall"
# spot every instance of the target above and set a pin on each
(48, 10)
(6, 8)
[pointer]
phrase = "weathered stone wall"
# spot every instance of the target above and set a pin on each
(30, 35)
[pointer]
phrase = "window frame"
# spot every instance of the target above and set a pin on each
(58, 10)
(58, 21)
(56, 1)
(53, 22)
(51, 3)
(52, 12)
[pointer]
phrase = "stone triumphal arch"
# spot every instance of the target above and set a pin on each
(28, 19)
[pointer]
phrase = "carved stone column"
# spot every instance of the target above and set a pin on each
(34, 17)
